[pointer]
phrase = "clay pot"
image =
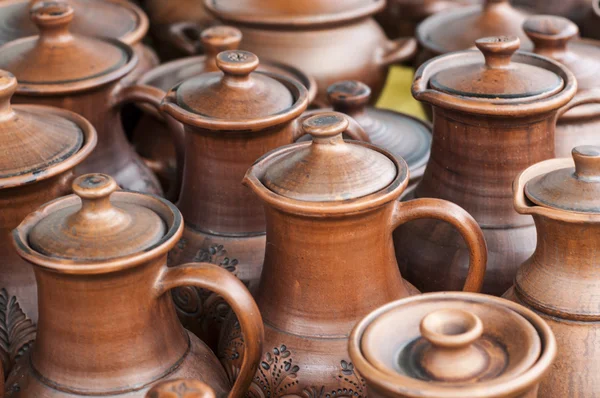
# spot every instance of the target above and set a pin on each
(107, 325)
(151, 138)
(491, 121)
(331, 206)
(560, 280)
(452, 345)
(181, 388)
(553, 38)
(40, 147)
(331, 41)
(85, 75)
(575, 10)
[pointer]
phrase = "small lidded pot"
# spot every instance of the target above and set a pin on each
(452, 345)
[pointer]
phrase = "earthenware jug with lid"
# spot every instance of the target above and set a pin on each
(553, 37)
(85, 75)
(331, 206)
(107, 325)
(330, 40)
(452, 345)
(560, 280)
(494, 115)
(40, 148)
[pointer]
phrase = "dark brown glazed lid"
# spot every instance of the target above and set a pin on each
(328, 169)
(277, 12)
(572, 189)
(497, 77)
(457, 29)
(58, 61)
(97, 228)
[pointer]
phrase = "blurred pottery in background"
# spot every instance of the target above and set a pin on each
(575, 10)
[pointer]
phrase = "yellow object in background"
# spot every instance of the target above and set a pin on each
(396, 94)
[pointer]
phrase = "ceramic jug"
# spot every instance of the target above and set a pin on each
(107, 325)
(560, 280)
(331, 206)
(494, 115)
(453, 345)
(40, 147)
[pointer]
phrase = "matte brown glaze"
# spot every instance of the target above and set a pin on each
(560, 280)
(329, 258)
(331, 41)
(480, 142)
(107, 324)
(453, 345)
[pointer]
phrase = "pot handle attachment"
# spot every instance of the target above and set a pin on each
(188, 43)
(587, 97)
(399, 50)
(354, 130)
(184, 388)
(218, 280)
(465, 224)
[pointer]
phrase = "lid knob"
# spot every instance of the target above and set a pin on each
(237, 63)
(181, 388)
(220, 38)
(349, 96)
(8, 86)
(452, 355)
(52, 19)
(550, 34)
(498, 50)
(587, 162)
(326, 127)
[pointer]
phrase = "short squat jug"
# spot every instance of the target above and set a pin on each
(107, 325)
(331, 206)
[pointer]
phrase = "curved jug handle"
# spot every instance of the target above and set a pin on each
(218, 280)
(465, 224)
(587, 97)
(354, 131)
(189, 388)
(153, 96)
(398, 50)
(182, 41)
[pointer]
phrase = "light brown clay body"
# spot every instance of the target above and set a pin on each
(181, 388)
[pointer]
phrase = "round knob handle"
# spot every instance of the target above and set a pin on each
(220, 38)
(451, 328)
(94, 191)
(550, 33)
(52, 19)
(325, 126)
(348, 95)
(8, 86)
(237, 63)
(498, 50)
(181, 388)
(587, 162)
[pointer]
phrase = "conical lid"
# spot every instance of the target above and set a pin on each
(58, 58)
(329, 169)
(497, 77)
(31, 140)
(574, 189)
(98, 228)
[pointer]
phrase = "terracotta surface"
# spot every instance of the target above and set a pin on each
(452, 345)
(560, 281)
(181, 388)
(40, 146)
(480, 142)
(85, 75)
(111, 306)
(331, 206)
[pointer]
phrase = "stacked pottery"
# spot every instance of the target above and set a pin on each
(40, 147)
(331, 206)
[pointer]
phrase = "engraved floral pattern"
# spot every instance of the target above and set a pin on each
(276, 374)
(17, 331)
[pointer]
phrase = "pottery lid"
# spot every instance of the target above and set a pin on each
(497, 77)
(575, 189)
(97, 228)
(30, 140)
(440, 341)
(329, 169)
(56, 58)
(292, 13)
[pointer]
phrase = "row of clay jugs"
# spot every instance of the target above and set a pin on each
(494, 115)
(453, 345)
(107, 324)
(331, 206)
(330, 40)
(553, 38)
(40, 147)
(151, 137)
(85, 75)
(561, 281)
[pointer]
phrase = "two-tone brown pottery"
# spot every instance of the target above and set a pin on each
(331, 206)
(330, 40)
(560, 281)
(553, 38)
(85, 75)
(152, 138)
(181, 388)
(453, 345)
(494, 115)
(40, 146)
(107, 324)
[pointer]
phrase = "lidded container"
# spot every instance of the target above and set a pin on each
(495, 112)
(445, 345)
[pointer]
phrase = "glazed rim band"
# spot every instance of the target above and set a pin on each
(327, 209)
(515, 107)
(90, 138)
(165, 209)
(410, 387)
